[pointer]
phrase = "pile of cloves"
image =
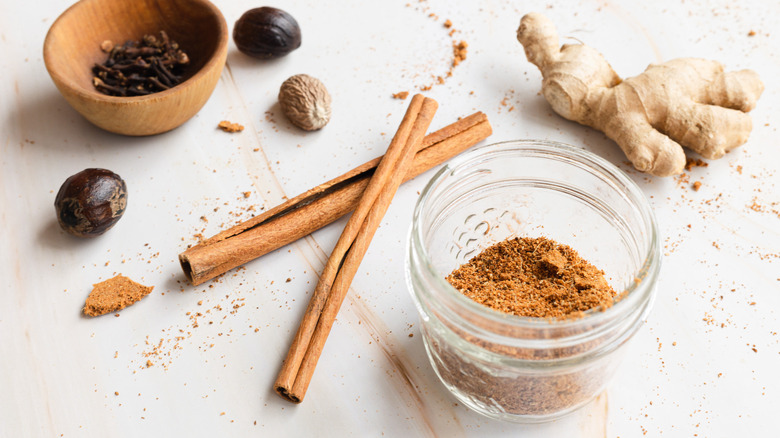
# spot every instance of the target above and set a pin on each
(138, 68)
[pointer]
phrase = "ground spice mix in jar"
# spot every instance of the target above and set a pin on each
(533, 277)
(530, 331)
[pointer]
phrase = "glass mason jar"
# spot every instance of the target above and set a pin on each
(526, 369)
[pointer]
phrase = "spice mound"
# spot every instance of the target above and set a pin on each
(534, 277)
(138, 68)
(114, 294)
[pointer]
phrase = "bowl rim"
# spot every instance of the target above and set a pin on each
(215, 60)
(646, 273)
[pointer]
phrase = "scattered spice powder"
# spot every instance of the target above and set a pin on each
(230, 127)
(459, 48)
(114, 294)
(534, 277)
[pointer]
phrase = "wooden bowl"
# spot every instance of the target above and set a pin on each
(72, 47)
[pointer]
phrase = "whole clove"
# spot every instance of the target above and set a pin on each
(138, 68)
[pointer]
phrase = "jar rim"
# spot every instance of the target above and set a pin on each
(639, 291)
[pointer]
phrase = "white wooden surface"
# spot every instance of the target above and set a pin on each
(705, 364)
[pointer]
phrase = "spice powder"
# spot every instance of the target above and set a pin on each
(114, 294)
(531, 277)
(534, 277)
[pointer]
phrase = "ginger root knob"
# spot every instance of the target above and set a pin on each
(687, 102)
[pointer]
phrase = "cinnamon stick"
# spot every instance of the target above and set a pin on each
(315, 208)
(292, 362)
(301, 360)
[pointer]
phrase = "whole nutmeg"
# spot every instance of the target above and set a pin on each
(266, 33)
(305, 101)
(90, 202)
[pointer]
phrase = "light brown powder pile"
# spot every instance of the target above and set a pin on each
(114, 294)
(534, 277)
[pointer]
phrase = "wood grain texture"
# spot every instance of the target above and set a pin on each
(683, 374)
(72, 47)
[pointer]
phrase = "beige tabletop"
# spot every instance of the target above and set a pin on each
(704, 364)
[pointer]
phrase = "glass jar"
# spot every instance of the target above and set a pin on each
(526, 369)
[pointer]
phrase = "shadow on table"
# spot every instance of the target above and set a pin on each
(47, 124)
(51, 236)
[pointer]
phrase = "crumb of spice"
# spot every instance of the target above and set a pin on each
(697, 185)
(459, 51)
(534, 277)
(230, 127)
(114, 294)
(448, 24)
(690, 163)
(401, 95)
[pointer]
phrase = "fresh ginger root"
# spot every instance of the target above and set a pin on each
(683, 102)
